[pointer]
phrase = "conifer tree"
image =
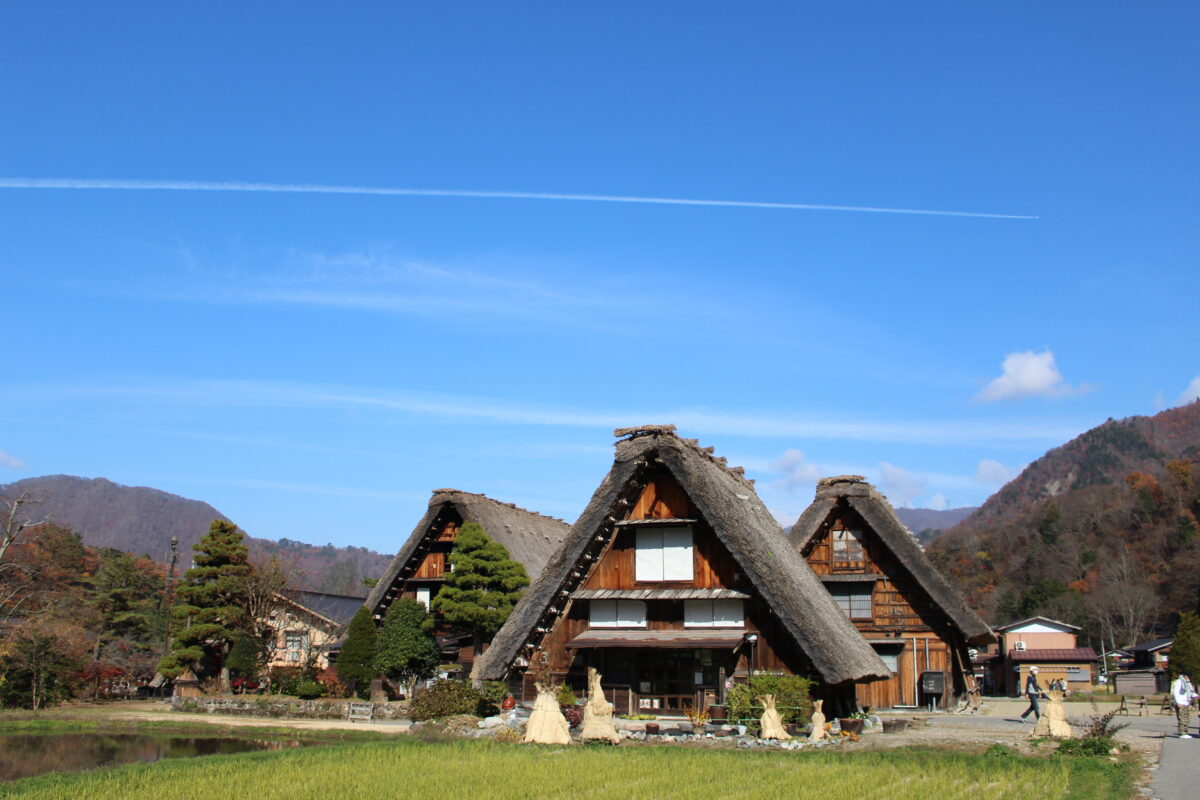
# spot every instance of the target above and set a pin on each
(406, 652)
(355, 663)
(1185, 648)
(482, 587)
(210, 602)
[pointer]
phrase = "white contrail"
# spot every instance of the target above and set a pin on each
(313, 188)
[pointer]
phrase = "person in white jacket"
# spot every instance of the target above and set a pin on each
(1183, 694)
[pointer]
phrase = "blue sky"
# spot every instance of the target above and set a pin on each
(313, 363)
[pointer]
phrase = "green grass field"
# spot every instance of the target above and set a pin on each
(408, 768)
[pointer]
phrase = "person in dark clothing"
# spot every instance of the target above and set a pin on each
(1033, 691)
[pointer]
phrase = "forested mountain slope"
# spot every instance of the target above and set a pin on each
(142, 520)
(1100, 532)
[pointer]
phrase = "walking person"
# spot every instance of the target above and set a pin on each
(1033, 691)
(1183, 694)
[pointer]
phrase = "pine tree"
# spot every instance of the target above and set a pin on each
(1185, 648)
(482, 587)
(355, 662)
(406, 652)
(210, 602)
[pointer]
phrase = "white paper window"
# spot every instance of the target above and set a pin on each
(617, 614)
(423, 596)
(847, 547)
(891, 661)
(664, 554)
(713, 614)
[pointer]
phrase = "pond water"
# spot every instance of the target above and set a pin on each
(25, 755)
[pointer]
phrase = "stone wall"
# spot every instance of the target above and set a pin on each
(275, 706)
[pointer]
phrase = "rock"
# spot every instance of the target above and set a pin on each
(491, 722)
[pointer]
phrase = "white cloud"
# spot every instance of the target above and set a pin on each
(283, 394)
(11, 461)
(939, 502)
(992, 473)
(1028, 374)
(796, 469)
(900, 485)
(1192, 392)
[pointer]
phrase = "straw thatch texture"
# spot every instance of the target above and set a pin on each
(854, 492)
(818, 722)
(547, 725)
(529, 537)
(772, 722)
(730, 506)
(598, 712)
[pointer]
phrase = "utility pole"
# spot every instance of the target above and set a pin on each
(169, 593)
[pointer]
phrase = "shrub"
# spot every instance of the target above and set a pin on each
(998, 750)
(566, 697)
(493, 693)
(574, 715)
(309, 690)
(446, 698)
(791, 697)
(333, 683)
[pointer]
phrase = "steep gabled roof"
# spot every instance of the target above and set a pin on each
(729, 504)
(337, 609)
(530, 538)
(854, 491)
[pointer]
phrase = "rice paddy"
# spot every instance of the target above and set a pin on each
(409, 768)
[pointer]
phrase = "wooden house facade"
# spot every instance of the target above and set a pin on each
(884, 584)
(419, 570)
(674, 583)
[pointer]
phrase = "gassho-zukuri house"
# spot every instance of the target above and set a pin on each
(418, 571)
(918, 623)
(676, 582)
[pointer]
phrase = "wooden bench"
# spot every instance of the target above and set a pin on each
(360, 712)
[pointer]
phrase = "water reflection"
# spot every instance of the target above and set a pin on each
(25, 755)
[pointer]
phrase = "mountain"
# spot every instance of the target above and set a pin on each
(140, 520)
(924, 519)
(1101, 532)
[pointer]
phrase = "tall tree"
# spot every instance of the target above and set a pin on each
(1185, 648)
(356, 661)
(211, 602)
(124, 593)
(483, 585)
(406, 652)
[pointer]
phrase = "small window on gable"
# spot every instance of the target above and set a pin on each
(853, 598)
(664, 554)
(847, 546)
(713, 614)
(617, 614)
(424, 595)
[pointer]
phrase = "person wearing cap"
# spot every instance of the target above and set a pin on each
(1033, 691)
(1183, 694)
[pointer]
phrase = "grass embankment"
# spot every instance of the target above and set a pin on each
(411, 768)
(67, 722)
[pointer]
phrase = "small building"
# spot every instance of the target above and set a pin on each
(1154, 654)
(418, 571)
(674, 583)
(906, 609)
(308, 624)
(1051, 646)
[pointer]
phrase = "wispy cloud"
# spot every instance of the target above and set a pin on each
(312, 188)
(1192, 392)
(900, 485)
(11, 461)
(797, 471)
(773, 425)
(992, 473)
(1028, 374)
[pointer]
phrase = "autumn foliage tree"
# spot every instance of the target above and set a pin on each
(211, 602)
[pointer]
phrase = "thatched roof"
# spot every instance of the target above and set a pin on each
(877, 512)
(729, 504)
(530, 538)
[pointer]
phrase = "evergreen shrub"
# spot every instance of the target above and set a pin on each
(445, 698)
(792, 697)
